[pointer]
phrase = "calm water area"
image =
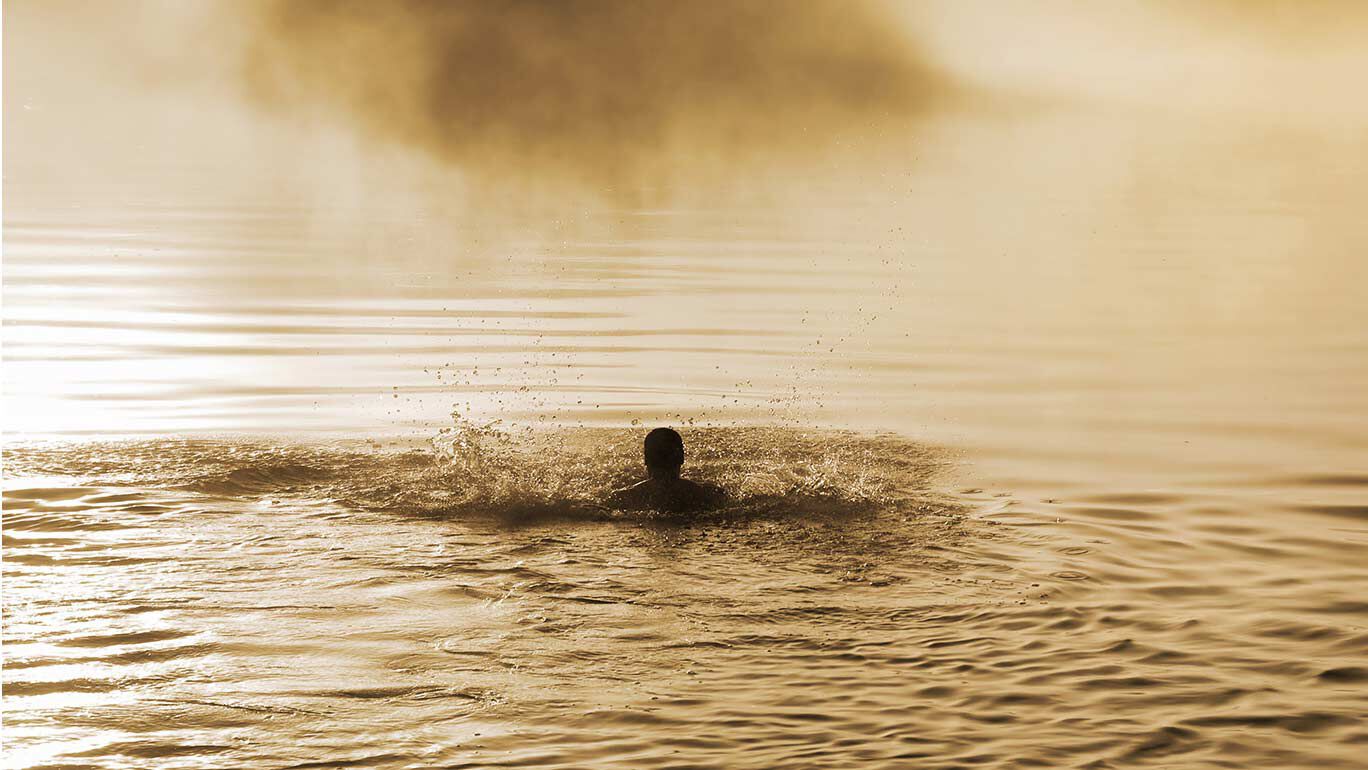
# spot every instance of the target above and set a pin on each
(1046, 433)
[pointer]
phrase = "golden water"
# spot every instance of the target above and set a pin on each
(1048, 440)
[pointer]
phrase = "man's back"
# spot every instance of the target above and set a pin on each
(666, 495)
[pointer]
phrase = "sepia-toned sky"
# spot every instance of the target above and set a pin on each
(621, 93)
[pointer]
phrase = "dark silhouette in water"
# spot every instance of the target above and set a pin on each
(665, 490)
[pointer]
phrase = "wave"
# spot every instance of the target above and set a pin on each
(487, 470)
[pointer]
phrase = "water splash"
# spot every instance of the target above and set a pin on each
(488, 470)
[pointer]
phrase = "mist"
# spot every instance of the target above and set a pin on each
(591, 90)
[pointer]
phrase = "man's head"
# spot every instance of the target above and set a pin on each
(664, 451)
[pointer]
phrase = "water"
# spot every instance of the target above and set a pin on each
(1047, 439)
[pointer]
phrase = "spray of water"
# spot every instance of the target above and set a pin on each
(487, 471)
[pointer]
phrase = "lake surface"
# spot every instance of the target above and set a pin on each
(1046, 433)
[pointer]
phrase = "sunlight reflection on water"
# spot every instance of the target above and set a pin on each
(1148, 353)
(962, 300)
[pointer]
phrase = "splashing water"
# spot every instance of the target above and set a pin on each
(485, 470)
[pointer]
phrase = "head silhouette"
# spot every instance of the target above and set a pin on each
(664, 451)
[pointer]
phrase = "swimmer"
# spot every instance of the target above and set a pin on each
(665, 490)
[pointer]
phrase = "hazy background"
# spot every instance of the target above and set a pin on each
(1114, 228)
(633, 93)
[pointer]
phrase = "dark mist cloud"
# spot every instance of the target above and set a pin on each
(591, 88)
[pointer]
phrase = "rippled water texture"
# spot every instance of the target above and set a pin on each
(211, 603)
(1046, 435)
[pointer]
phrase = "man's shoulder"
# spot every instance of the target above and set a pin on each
(630, 495)
(704, 491)
(680, 494)
(691, 484)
